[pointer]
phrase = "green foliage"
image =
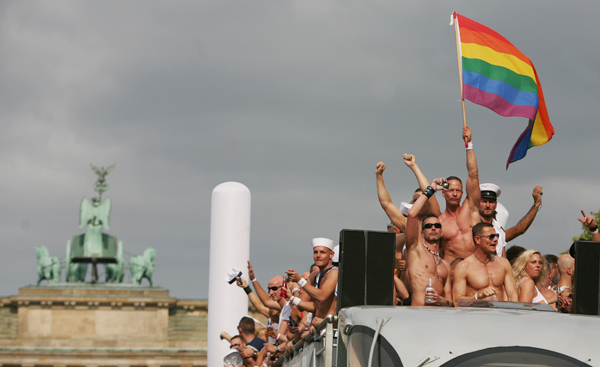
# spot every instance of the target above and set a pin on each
(586, 234)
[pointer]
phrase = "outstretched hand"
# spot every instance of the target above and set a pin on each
(379, 168)
(587, 220)
(251, 271)
(293, 276)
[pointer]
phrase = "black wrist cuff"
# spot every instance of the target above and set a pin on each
(429, 191)
(594, 229)
(247, 289)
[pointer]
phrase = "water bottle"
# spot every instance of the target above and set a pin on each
(429, 288)
(270, 329)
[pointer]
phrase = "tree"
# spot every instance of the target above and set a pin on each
(586, 234)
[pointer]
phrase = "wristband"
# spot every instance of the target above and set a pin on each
(254, 280)
(247, 289)
(475, 295)
(295, 290)
(595, 230)
(470, 145)
(302, 282)
(429, 191)
(295, 301)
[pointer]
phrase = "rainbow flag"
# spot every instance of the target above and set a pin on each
(495, 74)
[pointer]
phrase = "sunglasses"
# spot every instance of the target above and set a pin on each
(273, 288)
(234, 345)
(492, 236)
(429, 225)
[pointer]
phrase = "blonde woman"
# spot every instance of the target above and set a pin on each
(528, 268)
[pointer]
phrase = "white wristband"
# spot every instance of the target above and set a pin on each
(596, 231)
(470, 145)
(295, 290)
(254, 280)
(295, 301)
(475, 295)
(302, 282)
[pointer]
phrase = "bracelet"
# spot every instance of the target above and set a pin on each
(295, 290)
(247, 289)
(595, 230)
(295, 301)
(475, 295)
(302, 282)
(470, 145)
(429, 191)
(254, 280)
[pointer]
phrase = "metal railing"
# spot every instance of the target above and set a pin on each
(320, 346)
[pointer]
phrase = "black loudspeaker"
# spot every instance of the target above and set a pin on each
(586, 283)
(366, 269)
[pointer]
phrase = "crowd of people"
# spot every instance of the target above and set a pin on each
(448, 258)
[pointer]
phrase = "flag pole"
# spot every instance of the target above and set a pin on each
(460, 76)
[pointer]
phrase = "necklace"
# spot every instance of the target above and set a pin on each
(484, 263)
(436, 258)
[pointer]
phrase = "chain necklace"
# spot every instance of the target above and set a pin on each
(436, 258)
(484, 263)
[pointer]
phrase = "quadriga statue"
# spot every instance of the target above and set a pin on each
(48, 266)
(142, 266)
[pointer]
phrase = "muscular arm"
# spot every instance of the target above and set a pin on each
(256, 302)
(459, 288)
(326, 288)
(473, 191)
(385, 200)
(260, 292)
(526, 221)
(411, 162)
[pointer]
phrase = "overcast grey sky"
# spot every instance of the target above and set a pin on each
(298, 100)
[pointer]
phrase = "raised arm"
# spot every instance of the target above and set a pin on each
(411, 162)
(590, 222)
(473, 191)
(385, 200)
(412, 223)
(256, 302)
(260, 292)
(526, 221)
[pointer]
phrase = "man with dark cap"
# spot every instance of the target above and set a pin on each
(487, 212)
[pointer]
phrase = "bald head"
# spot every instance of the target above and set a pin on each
(565, 262)
(276, 281)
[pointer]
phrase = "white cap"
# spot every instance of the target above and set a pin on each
(490, 187)
(336, 255)
(325, 242)
(405, 207)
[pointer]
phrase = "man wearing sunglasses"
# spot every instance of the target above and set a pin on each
(487, 211)
(424, 261)
(484, 275)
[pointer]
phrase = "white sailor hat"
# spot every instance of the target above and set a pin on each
(336, 255)
(405, 207)
(325, 242)
(489, 191)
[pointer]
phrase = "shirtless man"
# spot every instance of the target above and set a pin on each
(458, 220)
(424, 261)
(487, 212)
(564, 288)
(396, 215)
(483, 275)
(320, 285)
